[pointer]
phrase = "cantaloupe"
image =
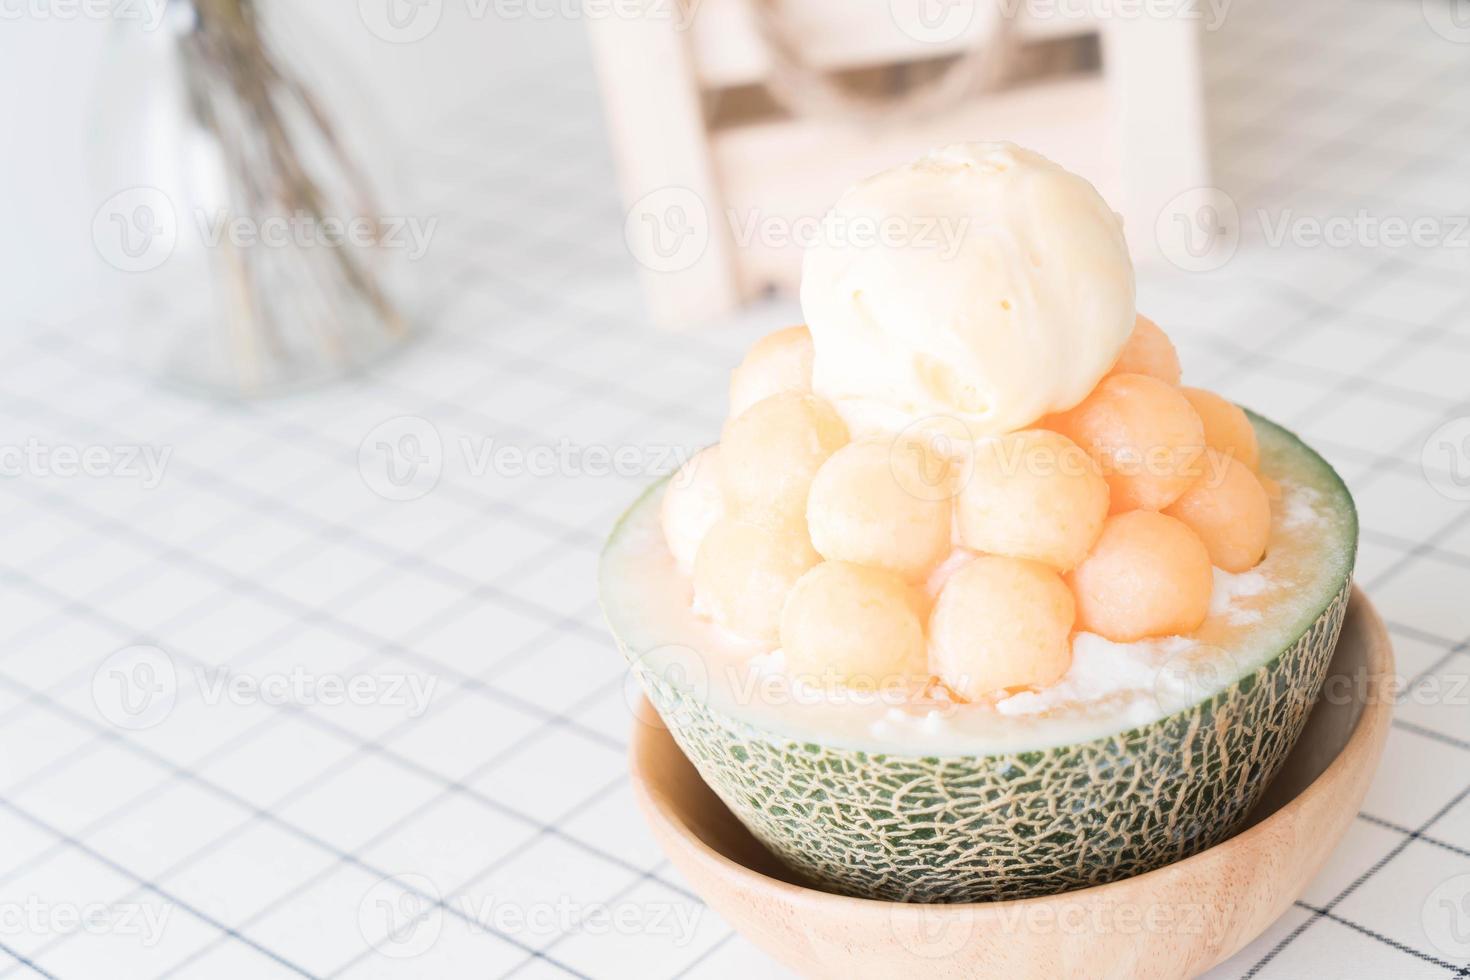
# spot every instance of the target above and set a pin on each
(1229, 510)
(693, 503)
(780, 361)
(1144, 434)
(1001, 624)
(1149, 351)
(770, 452)
(858, 626)
(1025, 805)
(743, 573)
(1148, 575)
(861, 509)
(1227, 429)
(1032, 494)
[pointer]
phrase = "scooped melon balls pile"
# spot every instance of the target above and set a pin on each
(965, 556)
(904, 560)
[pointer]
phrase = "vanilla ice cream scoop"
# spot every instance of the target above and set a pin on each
(981, 282)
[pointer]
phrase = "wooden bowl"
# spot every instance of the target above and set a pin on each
(1177, 921)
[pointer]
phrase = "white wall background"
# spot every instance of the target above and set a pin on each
(50, 51)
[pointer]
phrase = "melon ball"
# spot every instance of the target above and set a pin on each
(743, 573)
(1229, 510)
(859, 626)
(1148, 575)
(770, 452)
(1146, 436)
(1001, 623)
(1033, 494)
(939, 453)
(1149, 351)
(1226, 426)
(860, 510)
(781, 361)
(692, 504)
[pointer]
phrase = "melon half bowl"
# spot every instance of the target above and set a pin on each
(1099, 778)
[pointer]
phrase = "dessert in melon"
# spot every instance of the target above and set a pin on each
(770, 453)
(854, 625)
(1033, 494)
(1227, 429)
(1144, 434)
(1149, 351)
(1001, 624)
(859, 510)
(1147, 575)
(778, 362)
(983, 603)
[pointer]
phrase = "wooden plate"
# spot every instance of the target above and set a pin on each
(1177, 921)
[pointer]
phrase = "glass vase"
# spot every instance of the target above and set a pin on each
(253, 199)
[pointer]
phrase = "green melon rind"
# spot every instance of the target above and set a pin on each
(1014, 825)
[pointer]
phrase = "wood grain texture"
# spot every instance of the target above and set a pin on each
(1177, 921)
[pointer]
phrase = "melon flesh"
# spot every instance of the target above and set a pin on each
(1227, 428)
(1001, 623)
(1145, 435)
(781, 361)
(860, 509)
(1037, 793)
(1313, 535)
(1149, 351)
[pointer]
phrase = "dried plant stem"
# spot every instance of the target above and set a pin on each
(262, 118)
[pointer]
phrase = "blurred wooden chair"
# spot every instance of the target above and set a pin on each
(737, 123)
